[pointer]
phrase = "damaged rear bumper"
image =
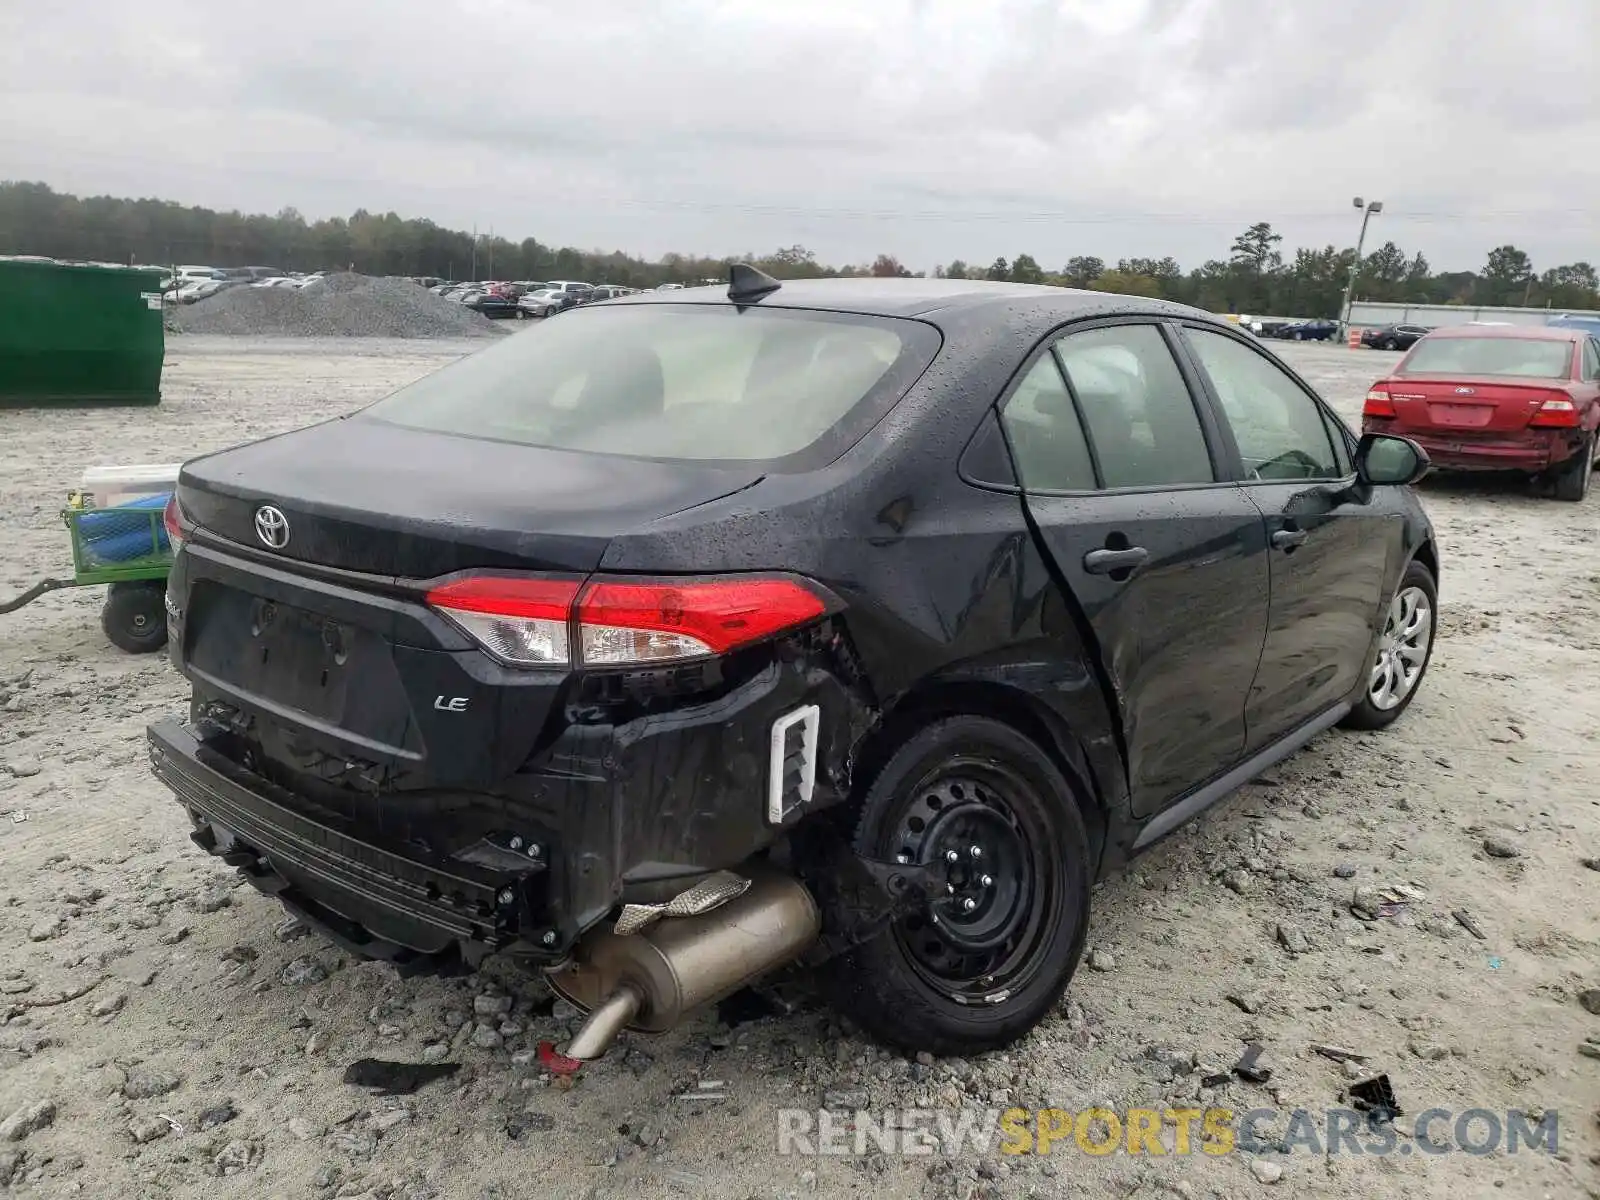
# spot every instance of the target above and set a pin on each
(413, 910)
(608, 813)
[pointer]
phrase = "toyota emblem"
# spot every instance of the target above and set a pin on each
(272, 527)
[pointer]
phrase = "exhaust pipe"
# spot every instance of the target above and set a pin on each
(648, 981)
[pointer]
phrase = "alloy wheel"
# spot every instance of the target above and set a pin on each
(1402, 649)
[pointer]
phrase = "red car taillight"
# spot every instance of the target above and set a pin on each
(658, 622)
(1558, 412)
(1379, 403)
(533, 622)
(172, 521)
(525, 622)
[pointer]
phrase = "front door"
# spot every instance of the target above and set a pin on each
(1331, 552)
(1167, 564)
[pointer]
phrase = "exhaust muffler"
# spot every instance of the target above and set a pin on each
(649, 980)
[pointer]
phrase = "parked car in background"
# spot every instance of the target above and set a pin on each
(1573, 321)
(200, 289)
(185, 276)
(1316, 330)
(573, 292)
(670, 287)
(609, 291)
(617, 633)
(249, 274)
(278, 281)
(545, 302)
(492, 304)
(1512, 397)
(1394, 337)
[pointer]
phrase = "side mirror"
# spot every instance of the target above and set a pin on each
(1382, 458)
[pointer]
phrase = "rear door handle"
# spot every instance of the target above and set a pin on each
(1288, 539)
(1104, 562)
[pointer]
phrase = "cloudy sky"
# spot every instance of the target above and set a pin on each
(927, 129)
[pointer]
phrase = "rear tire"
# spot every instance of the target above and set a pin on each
(1399, 651)
(1572, 477)
(135, 616)
(984, 965)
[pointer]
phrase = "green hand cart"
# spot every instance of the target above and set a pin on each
(126, 548)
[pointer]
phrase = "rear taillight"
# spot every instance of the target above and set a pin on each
(1379, 403)
(542, 622)
(1558, 412)
(658, 622)
(521, 621)
(172, 522)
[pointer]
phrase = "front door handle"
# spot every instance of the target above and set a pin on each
(1104, 562)
(1288, 539)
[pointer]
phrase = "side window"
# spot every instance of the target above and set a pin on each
(1141, 419)
(1591, 359)
(1340, 437)
(1046, 439)
(1280, 430)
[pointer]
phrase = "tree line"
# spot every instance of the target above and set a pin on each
(1256, 277)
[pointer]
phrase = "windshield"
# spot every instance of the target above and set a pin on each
(676, 382)
(1535, 358)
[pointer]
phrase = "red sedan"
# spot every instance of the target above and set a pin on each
(1498, 398)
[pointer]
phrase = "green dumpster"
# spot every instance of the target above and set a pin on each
(79, 334)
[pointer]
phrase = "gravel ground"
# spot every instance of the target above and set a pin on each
(204, 1056)
(341, 305)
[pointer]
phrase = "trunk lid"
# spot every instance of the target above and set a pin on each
(343, 678)
(1462, 405)
(361, 495)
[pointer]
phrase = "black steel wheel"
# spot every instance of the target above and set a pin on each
(135, 616)
(990, 813)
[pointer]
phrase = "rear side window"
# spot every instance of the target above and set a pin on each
(665, 381)
(1532, 358)
(1591, 359)
(1141, 419)
(1046, 439)
(1281, 431)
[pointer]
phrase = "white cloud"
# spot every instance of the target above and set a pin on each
(930, 129)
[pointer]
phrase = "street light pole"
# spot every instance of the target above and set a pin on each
(1367, 211)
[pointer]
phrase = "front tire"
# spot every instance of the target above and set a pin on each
(1572, 479)
(135, 616)
(1405, 647)
(989, 809)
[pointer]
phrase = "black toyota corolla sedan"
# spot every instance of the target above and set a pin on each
(853, 627)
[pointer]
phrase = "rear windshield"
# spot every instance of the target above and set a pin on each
(1537, 358)
(677, 381)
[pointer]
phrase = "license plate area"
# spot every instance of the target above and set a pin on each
(303, 658)
(293, 661)
(1460, 416)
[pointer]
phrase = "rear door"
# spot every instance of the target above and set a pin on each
(1332, 553)
(1166, 561)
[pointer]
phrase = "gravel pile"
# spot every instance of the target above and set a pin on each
(342, 305)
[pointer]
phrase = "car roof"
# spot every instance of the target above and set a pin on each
(945, 297)
(1548, 333)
